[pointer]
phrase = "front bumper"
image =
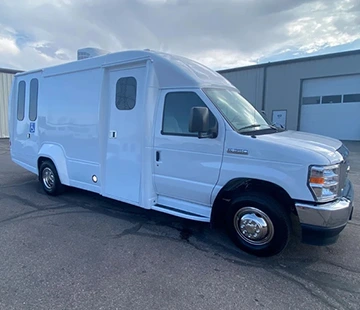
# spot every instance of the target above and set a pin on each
(322, 224)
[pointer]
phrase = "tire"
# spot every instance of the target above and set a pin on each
(271, 232)
(49, 178)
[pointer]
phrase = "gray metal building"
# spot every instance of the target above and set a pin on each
(319, 94)
(6, 78)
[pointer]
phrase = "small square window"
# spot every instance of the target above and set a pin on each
(126, 93)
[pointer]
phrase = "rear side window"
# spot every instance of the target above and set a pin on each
(33, 105)
(125, 98)
(21, 101)
(177, 111)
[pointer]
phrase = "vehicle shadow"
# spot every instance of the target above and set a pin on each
(199, 235)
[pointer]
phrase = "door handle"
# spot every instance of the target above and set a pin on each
(112, 134)
(157, 155)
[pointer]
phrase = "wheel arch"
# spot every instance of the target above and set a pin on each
(56, 155)
(242, 185)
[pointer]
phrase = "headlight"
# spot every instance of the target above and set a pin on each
(324, 182)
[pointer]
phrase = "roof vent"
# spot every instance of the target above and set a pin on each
(89, 52)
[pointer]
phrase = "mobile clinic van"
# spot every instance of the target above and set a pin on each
(165, 133)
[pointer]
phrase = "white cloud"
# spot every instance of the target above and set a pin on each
(8, 47)
(219, 59)
(327, 25)
(218, 33)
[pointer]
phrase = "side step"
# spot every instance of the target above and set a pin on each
(183, 209)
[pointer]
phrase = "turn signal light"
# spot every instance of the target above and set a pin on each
(317, 180)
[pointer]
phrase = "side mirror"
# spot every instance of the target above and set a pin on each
(200, 122)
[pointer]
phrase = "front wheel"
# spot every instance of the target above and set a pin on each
(258, 224)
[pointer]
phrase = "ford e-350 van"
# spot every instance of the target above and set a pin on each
(163, 132)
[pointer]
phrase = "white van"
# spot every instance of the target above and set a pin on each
(163, 132)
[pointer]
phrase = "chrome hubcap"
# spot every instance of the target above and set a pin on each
(48, 178)
(253, 226)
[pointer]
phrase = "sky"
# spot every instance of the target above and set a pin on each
(218, 33)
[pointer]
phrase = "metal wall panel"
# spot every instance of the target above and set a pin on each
(277, 86)
(283, 82)
(327, 108)
(5, 87)
(250, 84)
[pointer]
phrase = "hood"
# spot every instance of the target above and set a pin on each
(321, 145)
(307, 140)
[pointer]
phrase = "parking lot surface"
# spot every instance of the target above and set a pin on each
(82, 251)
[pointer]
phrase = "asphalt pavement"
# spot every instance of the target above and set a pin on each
(83, 251)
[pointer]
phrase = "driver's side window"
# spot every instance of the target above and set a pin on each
(177, 111)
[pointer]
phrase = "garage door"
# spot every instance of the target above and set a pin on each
(331, 107)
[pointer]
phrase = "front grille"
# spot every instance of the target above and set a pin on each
(343, 168)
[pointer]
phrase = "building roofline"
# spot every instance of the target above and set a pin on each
(11, 71)
(290, 61)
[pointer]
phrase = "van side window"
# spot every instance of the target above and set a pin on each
(21, 101)
(125, 93)
(34, 87)
(177, 111)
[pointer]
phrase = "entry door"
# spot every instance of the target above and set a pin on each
(186, 167)
(26, 129)
(124, 139)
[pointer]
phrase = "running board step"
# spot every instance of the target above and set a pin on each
(183, 209)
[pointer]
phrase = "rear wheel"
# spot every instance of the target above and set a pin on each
(258, 224)
(49, 178)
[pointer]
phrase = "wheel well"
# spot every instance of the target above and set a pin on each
(243, 185)
(42, 159)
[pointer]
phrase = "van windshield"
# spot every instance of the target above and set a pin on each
(240, 114)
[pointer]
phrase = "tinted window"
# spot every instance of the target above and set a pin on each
(125, 93)
(331, 99)
(34, 87)
(21, 101)
(352, 98)
(311, 100)
(177, 110)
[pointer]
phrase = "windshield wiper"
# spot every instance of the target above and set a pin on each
(250, 126)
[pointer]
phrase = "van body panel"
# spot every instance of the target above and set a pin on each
(124, 149)
(55, 152)
(187, 168)
(253, 158)
(26, 146)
